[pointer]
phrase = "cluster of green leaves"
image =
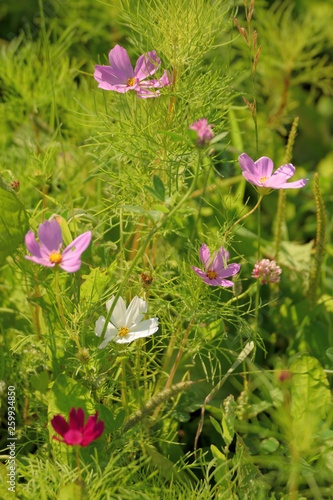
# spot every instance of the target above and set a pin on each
(128, 170)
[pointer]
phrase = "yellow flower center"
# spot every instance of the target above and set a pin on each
(131, 82)
(211, 274)
(263, 179)
(55, 257)
(123, 331)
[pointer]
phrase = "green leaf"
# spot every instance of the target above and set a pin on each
(73, 490)
(270, 444)
(65, 394)
(93, 285)
(40, 382)
(13, 221)
(216, 425)
(159, 187)
(310, 394)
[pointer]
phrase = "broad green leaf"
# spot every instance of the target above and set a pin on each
(40, 382)
(93, 285)
(66, 393)
(13, 220)
(250, 480)
(310, 390)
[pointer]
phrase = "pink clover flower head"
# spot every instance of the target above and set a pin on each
(216, 268)
(121, 77)
(204, 131)
(260, 174)
(126, 325)
(75, 432)
(267, 271)
(48, 251)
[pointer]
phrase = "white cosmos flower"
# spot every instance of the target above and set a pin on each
(125, 324)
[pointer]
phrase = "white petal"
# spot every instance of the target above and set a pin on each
(118, 316)
(99, 326)
(111, 330)
(104, 343)
(136, 311)
(109, 303)
(143, 329)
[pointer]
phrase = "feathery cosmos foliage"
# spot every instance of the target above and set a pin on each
(130, 134)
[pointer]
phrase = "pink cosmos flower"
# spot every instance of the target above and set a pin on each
(260, 174)
(119, 76)
(75, 432)
(204, 131)
(216, 269)
(48, 251)
(267, 271)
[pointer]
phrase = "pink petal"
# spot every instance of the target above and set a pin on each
(120, 61)
(71, 266)
(252, 179)
(263, 167)
(60, 425)
(32, 244)
(50, 236)
(211, 282)
(199, 272)
(246, 163)
(145, 93)
(293, 185)
(229, 271)
(40, 260)
(220, 260)
(109, 79)
(80, 243)
(223, 282)
(76, 419)
(205, 255)
(146, 65)
(73, 437)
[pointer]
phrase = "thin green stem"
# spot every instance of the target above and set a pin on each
(258, 282)
(142, 250)
(244, 216)
(77, 454)
(123, 387)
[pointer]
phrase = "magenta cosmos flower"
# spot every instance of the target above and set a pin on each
(48, 251)
(260, 173)
(75, 432)
(216, 269)
(204, 131)
(119, 76)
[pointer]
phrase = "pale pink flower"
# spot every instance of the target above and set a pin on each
(267, 271)
(204, 131)
(48, 252)
(216, 268)
(121, 77)
(260, 173)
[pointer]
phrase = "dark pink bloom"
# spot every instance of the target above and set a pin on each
(216, 268)
(119, 76)
(75, 432)
(48, 251)
(204, 131)
(260, 173)
(267, 271)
